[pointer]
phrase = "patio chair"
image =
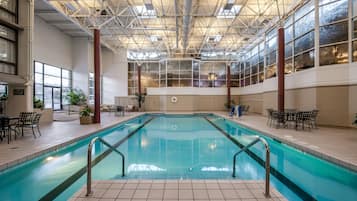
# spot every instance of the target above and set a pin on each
(25, 121)
(269, 111)
(277, 119)
(314, 118)
(36, 123)
(5, 129)
(303, 119)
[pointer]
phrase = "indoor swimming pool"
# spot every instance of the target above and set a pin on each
(179, 147)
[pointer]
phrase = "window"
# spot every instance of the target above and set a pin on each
(8, 37)
(235, 74)
(289, 44)
(51, 85)
(304, 38)
(354, 29)
(333, 32)
(3, 90)
(153, 74)
(91, 88)
(271, 46)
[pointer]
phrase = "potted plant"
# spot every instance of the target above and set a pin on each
(230, 104)
(76, 97)
(355, 122)
(140, 98)
(37, 103)
(85, 115)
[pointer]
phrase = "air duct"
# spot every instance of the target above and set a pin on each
(186, 22)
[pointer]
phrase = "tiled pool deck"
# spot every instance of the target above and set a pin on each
(54, 136)
(170, 190)
(338, 145)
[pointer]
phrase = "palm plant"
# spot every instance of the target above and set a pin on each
(76, 97)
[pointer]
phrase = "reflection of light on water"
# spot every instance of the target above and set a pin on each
(49, 158)
(212, 146)
(144, 142)
(214, 169)
(144, 167)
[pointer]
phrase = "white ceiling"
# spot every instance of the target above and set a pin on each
(174, 28)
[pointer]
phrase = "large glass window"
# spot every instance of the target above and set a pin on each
(51, 85)
(289, 44)
(271, 47)
(91, 88)
(354, 30)
(304, 38)
(235, 74)
(333, 31)
(8, 37)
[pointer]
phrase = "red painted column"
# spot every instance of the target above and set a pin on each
(139, 79)
(281, 69)
(96, 76)
(139, 83)
(228, 84)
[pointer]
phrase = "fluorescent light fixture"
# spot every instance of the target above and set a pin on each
(229, 11)
(214, 39)
(144, 12)
(154, 38)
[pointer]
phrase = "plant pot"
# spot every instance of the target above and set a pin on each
(85, 120)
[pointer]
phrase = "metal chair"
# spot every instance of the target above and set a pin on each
(36, 123)
(25, 120)
(314, 118)
(269, 111)
(304, 119)
(5, 129)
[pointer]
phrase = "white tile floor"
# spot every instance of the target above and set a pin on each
(155, 190)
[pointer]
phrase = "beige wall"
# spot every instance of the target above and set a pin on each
(255, 102)
(336, 104)
(187, 103)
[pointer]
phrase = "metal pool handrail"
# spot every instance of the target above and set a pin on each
(267, 161)
(89, 161)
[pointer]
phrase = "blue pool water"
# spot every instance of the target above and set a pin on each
(175, 147)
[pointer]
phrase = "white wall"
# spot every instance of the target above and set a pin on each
(50, 45)
(81, 63)
(115, 75)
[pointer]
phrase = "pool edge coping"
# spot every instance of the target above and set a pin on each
(31, 156)
(330, 158)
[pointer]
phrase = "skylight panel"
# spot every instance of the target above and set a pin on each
(145, 11)
(229, 11)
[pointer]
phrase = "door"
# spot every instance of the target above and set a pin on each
(52, 97)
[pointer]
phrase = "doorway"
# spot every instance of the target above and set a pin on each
(52, 98)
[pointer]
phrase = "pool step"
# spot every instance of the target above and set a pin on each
(151, 190)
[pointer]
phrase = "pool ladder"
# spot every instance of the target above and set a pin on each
(89, 161)
(267, 161)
